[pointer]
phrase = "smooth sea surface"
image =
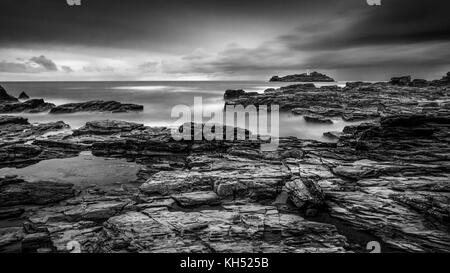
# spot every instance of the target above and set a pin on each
(158, 99)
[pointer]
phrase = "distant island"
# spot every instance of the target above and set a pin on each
(305, 77)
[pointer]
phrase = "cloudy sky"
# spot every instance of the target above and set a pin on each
(222, 40)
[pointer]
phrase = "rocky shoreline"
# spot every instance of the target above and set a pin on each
(9, 104)
(387, 178)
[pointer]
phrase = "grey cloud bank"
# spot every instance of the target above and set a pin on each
(224, 39)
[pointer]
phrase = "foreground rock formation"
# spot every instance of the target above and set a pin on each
(388, 180)
(312, 77)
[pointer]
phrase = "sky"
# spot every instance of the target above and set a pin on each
(48, 40)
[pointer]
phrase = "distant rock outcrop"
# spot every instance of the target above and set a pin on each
(305, 77)
(402, 81)
(24, 96)
(233, 94)
(5, 97)
(96, 106)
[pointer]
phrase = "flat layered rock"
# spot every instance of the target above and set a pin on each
(317, 119)
(15, 191)
(106, 127)
(191, 199)
(96, 106)
(247, 228)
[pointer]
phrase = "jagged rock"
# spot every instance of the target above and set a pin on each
(96, 106)
(233, 94)
(312, 77)
(5, 97)
(305, 193)
(29, 106)
(23, 96)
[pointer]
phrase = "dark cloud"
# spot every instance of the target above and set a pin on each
(159, 24)
(33, 65)
(45, 63)
(395, 22)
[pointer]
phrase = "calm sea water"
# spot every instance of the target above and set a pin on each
(158, 99)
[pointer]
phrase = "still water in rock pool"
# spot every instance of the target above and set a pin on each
(83, 171)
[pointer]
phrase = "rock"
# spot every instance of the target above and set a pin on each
(12, 120)
(357, 101)
(305, 194)
(243, 229)
(96, 106)
(13, 212)
(10, 236)
(419, 83)
(5, 97)
(317, 119)
(16, 153)
(333, 135)
(29, 106)
(312, 77)
(23, 96)
(35, 241)
(233, 94)
(405, 80)
(192, 199)
(15, 191)
(106, 127)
